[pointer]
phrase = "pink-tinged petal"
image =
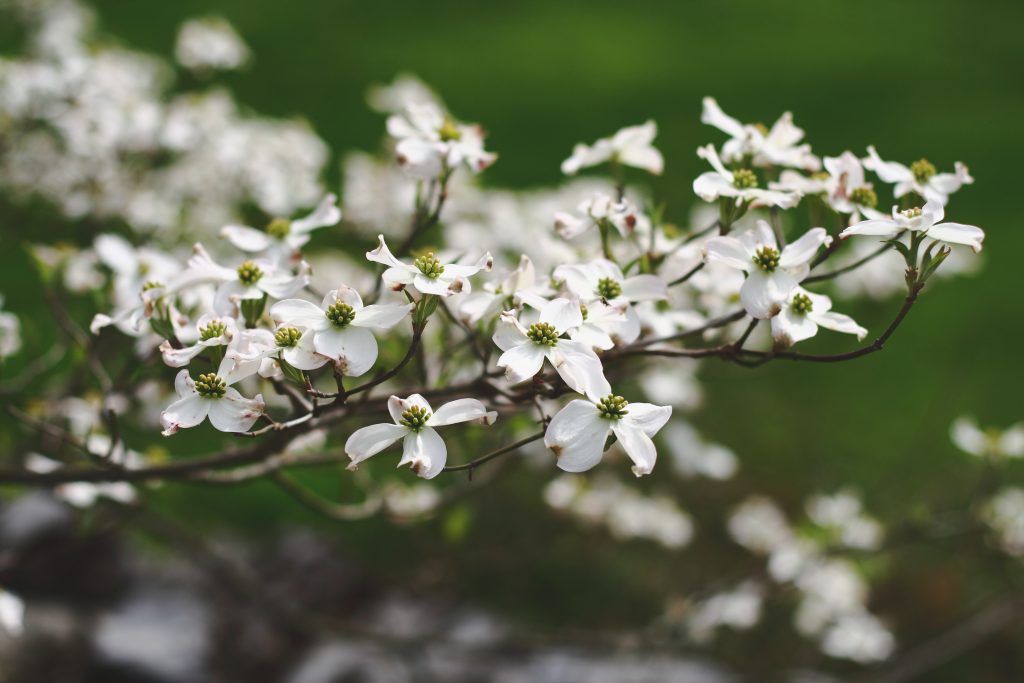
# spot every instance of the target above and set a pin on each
(425, 453)
(185, 412)
(729, 251)
(638, 446)
(462, 410)
(576, 435)
(369, 441)
(803, 250)
(957, 233)
(522, 362)
(232, 412)
(837, 322)
(326, 213)
(644, 288)
(562, 314)
(353, 349)
(382, 316)
(298, 312)
(245, 238)
(183, 384)
(763, 294)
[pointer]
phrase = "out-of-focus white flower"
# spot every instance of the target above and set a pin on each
(414, 421)
(338, 330)
(524, 349)
(10, 332)
(284, 238)
(426, 273)
(926, 220)
(738, 608)
(578, 432)
(771, 275)
(1004, 513)
(519, 286)
(631, 146)
(212, 395)
(842, 513)
(82, 494)
(210, 43)
(921, 177)
(776, 147)
(759, 525)
(994, 443)
(431, 143)
(843, 186)
(12, 613)
(411, 501)
(802, 314)
(693, 456)
(601, 208)
(741, 185)
(858, 636)
(406, 89)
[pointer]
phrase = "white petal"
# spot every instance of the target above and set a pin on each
(889, 171)
(763, 294)
(440, 286)
(562, 314)
(326, 213)
(711, 185)
(245, 238)
(382, 316)
(179, 358)
(425, 452)
(647, 417)
(580, 369)
(522, 362)
(803, 250)
(185, 412)
(354, 349)
(298, 312)
(837, 322)
(12, 613)
(232, 412)
(281, 285)
(303, 355)
(462, 410)
(790, 327)
(958, 233)
(965, 434)
(644, 288)
(397, 406)
(713, 115)
(646, 157)
(729, 251)
(577, 435)
(882, 227)
(508, 333)
(369, 441)
(384, 256)
(637, 444)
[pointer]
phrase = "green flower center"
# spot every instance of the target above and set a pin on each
(923, 170)
(543, 334)
(415, 418)
(210, 385)
(249, 273)
(287, 337)
(340, 314)
(151, 284)
(584, 311)
(912, 213)
(608, 288)
(449, 131)
(801, 304)
(613, 407)
(429, 265)
(864, 196)
(279, 228)
(213, 329)
(767, 259)
(744, 179)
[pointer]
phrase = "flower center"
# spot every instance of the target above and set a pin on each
(279, 228)
(151, 284)
(864, 196)
(767, 259)
(249, 273)
(584, 311)
(213, 329)
(543, 334)
(210, 385)
(449, 131)
(801, 304)
(429, 265)
(912, 213)
(923, 170)
(744, 179)
(340, 314)
(613, 407)
(415, 418)
(287, 337)
(608, 288)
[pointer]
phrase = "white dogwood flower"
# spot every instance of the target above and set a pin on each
(10, 332)
(578, 432)
(921, 177)
(741, 184)
(212, 330)
(630, 146)
(414, 422)
(996, 443)
(622, 214)
(771, 274)
(211, 395)
(426, 273)
(519, 286)
(430, 142)
(802, 314)
(526, 348)
(776, 147)
(283, 238)
(12, 613)
(926, 220)
(337, 330)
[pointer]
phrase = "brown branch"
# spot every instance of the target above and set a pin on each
(473, 464)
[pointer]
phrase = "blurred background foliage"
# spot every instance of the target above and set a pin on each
(943, 79)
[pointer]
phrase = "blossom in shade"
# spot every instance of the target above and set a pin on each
(804, 312)
(283, 238)
(430, 142)
(426, 273)
(211, 395)
(741, 185)
(921, 177)
(631, 146)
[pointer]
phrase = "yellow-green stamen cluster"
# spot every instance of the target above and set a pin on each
(415, 418)
(613, 407)
(152, 284)
(210, 385)
(429, 265)
(608, 288)
(543, 334)
(279, 228)
(912, 213)
(340, 314)
(864, 196)
(583, 311)
(923, 170)
(767, 259)
(213, 329)
(801, 304)
(249, 273)
(287, 337)
(449, 131)
(744, 179)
